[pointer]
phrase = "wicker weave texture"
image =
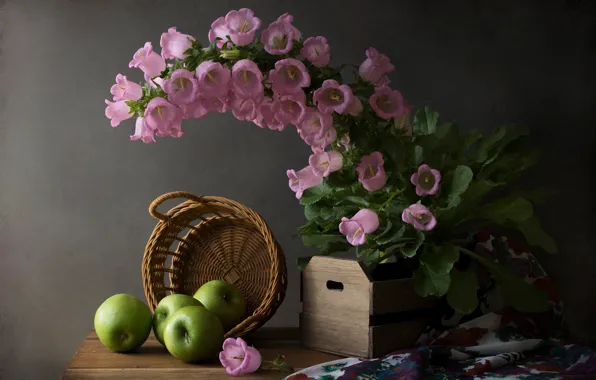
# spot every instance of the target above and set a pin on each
(206, 238)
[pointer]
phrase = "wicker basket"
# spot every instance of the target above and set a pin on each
(213, 238)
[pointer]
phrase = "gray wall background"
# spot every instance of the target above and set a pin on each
(74, 192)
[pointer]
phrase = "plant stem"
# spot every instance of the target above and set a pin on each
(389, 199)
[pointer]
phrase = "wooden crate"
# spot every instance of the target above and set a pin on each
(346, 312)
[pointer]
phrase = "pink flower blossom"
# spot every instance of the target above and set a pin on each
(384, 81)
(420, 217)
(125, 90)
(117, 112)
(174, 44)
(288, 18)
(142, 132)
(219, 29)
(333, 97)
(355, 228)
(314, 125)
(220, 105)
(182, 87)
(278, 38)
(238, 358)
(375, 66)
(266, 117)
(316, 51)
(214, 79)
(325, 163)
(289, 76)
(355, 108)
(244, 109)
(371, 172)
(240, 25)
(319, 144)
(387, 103)
(163, 117)
(426, 180)
(302, 180)
(290, 108)
(247, 79)
(151, 63)
(194, 110)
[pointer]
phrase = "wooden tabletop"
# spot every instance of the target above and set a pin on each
(152, 361)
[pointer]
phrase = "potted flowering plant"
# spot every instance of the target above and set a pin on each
(391, 185)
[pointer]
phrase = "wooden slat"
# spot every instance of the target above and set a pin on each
(395, 296)
(152, 361)
(337, 334)
(317, 298)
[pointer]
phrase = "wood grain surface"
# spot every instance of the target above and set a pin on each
(152, 361)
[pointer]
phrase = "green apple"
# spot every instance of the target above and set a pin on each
(168, 306)
(123, 322)
(193, 334)
(223, 300)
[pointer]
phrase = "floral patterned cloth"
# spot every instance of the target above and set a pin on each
(494, 342)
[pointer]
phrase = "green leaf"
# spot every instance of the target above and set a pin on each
(411, 248)
(396, 232)
(385, 230)
(315, 194)
(311, 212)
(302, 262)
(321, 239)
(326, 213)
(471, 138)
(519, 294)
(425, 121)
(334, 247)
(515, 209)
(460, 181)
(427, 283)
(440, 259)
(372, 258)
(462, 177)
(535, 235)
(462, 295)
(418, 155)
(356, 200)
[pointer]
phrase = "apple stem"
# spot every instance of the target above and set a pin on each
(187, 338)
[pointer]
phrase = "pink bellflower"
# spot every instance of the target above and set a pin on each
(320, 144)
(182, 87)
(316, 51)
(238, 358)
(302, 180)
(375, 66)
(325, 163)
(174, 44)
(194, 110)
(388, 103)
(332, 96)
(241, 25)
(214, 79)
(289, 76)
(117, 112)
(371, 172)
(163, 117)
(247, 79)
(290, 108)
(125, 90)
(150, 63)
(266, 117)
(288, 18)
(278, 38)
(355, 228)
(426, 180)
(142, 132)
(419, 216)
(244, 109)
(314, 125)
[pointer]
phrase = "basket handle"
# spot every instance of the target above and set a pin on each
(173, 195)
